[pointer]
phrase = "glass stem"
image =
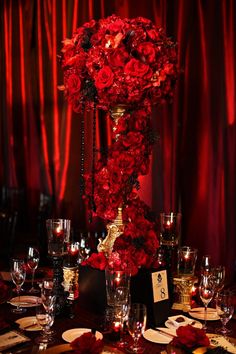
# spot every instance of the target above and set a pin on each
(205, 317)
(136, 338)
(32, 281)
(18, 293)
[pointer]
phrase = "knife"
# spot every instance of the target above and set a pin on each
(165, 333)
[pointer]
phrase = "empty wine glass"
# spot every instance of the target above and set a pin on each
(206, 292)
(32, 262)
(137, 320)
(218, 274)
(45, 319)
(18, 273)
(225, 310)
(121, 300)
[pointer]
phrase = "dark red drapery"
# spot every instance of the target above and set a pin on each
(193, 164)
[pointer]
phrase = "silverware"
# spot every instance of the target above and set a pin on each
(165, 333)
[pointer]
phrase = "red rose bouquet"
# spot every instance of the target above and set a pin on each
(108, 63)
(190, 337)
(118, 61)
(87, 343)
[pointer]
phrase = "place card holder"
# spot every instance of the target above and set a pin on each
(154, 289)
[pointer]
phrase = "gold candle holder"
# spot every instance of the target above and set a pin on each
(70, 282)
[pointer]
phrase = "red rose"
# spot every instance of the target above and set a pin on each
(118, 57)
(96, 260)
(147, 52)
(87, 343)
(136, 68)
(132, 138)
(190, 337)
(104, 78)
(73, 84)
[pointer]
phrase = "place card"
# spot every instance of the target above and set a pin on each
(12, 338)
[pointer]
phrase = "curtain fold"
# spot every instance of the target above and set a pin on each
(193, 163)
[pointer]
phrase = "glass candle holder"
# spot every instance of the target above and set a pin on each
(170, 228)
(115, 279)
(187, 257)
(170, 225)
(58, 234)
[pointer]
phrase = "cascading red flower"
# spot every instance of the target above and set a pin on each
(128, 62)
(190, 337)
(118, 61)
(87, 343)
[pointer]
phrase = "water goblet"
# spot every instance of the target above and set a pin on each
(137, 319)
(206, 292)
(225, 310)
(45, 319)
(121, 309)
(18, 273)
(32, 262)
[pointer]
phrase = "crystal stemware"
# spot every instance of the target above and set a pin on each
(32, 262)
(218, 274)
(45, 318)
(206, 265)
(18, 273)
(225, 310)
(206, 292)
(137, 319)
(121, 309)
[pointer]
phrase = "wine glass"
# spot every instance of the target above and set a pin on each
(137, 319)
(206, 265)
(85, 248)
(218, 274)
(18, 273)
(206, 292)
(121, 299)
(32, 262)
(45, 319)
(225, 310)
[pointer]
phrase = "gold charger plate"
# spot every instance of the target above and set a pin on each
(66, 347)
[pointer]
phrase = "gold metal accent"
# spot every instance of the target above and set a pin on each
(70, 281)
(183, 286)
(116, 113)
(114, 230)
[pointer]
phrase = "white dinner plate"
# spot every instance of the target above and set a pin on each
(29, 324)
(156, 337)
(74, 333)
(196, 324)
(198, 312)
(25, 301)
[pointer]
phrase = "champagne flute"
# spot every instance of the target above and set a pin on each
(206, 292)
(18, 273)
(225, 310)
(137, 320)
(32, 262)
(121, 309)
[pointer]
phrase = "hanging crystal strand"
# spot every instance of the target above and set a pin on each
(82, 154)
(93, 206)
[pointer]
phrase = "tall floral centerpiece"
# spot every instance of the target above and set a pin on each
(122, 66)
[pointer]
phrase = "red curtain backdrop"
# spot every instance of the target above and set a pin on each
(193, 162)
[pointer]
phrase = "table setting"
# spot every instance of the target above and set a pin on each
(31, 323)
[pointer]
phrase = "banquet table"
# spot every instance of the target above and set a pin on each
(83, 318)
